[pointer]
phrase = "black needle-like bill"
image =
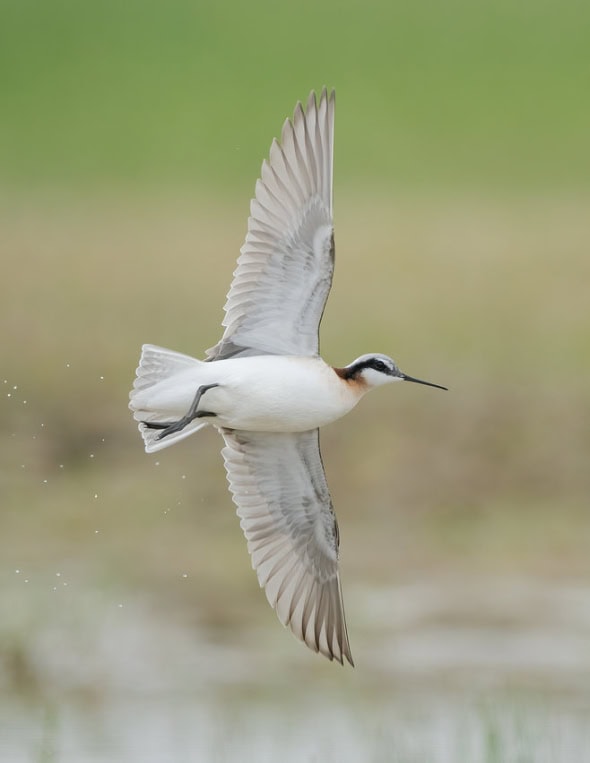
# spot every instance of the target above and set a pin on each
(405, 377)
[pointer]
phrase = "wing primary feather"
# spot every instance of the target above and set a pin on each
(331, 636)
(287, 146)
(345, 644)
(303, 157)
(326, 121)
(287, 580)
(308, 609)
(278, 166)
(293, 178)
(296, 597)
(329, 618)
(275, 587)
(312, 135)
(276, 568)
(319, 611)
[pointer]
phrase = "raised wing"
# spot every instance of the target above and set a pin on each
(278, 484)
(285, 266)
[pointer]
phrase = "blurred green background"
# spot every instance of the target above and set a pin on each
(185, 94)
(131, 135)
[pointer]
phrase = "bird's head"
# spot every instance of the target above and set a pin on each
(375, 369)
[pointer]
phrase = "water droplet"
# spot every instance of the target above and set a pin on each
(17, 572)
(184, 575)
(58, 574)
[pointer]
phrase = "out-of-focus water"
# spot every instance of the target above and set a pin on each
(451, 671)
(166, 729)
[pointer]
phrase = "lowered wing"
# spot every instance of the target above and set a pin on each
(278, 484)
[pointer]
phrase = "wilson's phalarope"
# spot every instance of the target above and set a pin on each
(267, 390)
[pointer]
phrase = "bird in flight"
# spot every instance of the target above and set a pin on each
(266, 389)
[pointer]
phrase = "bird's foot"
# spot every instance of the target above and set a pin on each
(170, 427)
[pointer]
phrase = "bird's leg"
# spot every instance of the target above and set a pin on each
(169, 427)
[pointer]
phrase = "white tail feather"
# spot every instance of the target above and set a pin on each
(156, 365)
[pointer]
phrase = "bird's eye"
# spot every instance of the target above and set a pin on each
(379, 365)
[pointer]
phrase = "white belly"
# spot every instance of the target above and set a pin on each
(277, 394)
(266, 393)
